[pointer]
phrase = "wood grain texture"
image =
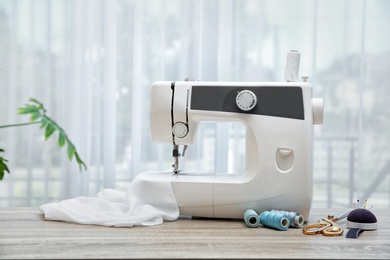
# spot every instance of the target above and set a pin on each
(25, 235)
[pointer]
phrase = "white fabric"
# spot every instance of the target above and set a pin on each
(148, 201)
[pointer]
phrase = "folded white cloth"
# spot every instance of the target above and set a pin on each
(148, 201)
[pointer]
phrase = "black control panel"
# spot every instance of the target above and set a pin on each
(271, 101)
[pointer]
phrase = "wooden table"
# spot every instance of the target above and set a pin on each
(24, 234)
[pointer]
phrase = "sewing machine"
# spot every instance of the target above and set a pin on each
(278, 117)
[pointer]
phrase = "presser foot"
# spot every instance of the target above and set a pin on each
(176, 154)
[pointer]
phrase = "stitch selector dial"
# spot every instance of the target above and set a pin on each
(180, 129)
(246, 100)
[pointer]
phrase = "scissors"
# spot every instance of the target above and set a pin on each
(326, 226)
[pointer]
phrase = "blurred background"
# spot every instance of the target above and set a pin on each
(92, 64)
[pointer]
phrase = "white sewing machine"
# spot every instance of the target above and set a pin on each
(278, 117)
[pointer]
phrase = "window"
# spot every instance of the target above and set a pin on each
(92, 64)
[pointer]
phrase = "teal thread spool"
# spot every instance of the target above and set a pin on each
(251, 218)
(296, 219)
(274, 220)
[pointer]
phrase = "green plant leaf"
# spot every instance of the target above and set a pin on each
(44, 122)
(3, 167)
(80, 162)
(33, 110)
(50, 128)
(71, 151)
(28, 109)
(34, 116)
(36, 110)
(40, 105)
(61, 139)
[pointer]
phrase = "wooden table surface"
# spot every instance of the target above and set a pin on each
(24, 234)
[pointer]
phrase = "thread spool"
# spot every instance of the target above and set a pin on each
(296, 219)
(292, 66)
(251, 218)
(274, 220)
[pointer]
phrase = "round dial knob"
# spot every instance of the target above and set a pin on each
(246, 100)
(180, 129)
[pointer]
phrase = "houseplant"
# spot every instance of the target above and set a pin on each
(37, 113)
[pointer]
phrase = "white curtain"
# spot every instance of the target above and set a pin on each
(92, 62)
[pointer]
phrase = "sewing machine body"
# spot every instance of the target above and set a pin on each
(278, 117)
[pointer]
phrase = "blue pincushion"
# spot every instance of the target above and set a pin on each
(362, 218)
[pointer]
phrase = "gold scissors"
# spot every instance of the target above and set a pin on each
(326, 226)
